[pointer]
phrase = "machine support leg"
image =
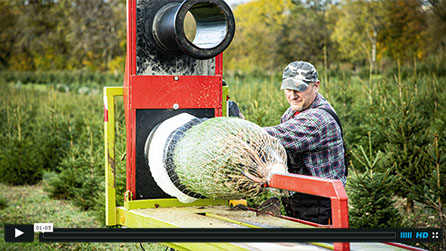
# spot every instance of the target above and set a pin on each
(110, 168)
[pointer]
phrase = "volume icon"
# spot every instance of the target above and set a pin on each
(406, 235)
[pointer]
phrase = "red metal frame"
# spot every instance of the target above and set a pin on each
(162, 92)
(328, 188)
(399, 245)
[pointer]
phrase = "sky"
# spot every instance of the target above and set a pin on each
(233, 2)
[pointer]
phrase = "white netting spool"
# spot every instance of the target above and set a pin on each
(155, 150)
(218, 158)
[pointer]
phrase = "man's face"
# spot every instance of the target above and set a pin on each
(300, 101)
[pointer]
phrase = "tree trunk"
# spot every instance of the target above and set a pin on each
(375, 38)
(409, 206)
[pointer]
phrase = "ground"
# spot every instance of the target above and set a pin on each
(31, 204)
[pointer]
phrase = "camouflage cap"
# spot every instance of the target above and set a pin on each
(298, 75)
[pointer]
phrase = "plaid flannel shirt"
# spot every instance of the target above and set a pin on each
(315, 134)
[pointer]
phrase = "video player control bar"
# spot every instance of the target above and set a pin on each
(241, 235)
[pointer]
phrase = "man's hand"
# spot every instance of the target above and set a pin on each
(233, 110)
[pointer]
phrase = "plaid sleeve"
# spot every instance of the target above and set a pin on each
(301, 133)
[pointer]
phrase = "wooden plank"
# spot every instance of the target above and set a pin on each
(188, 217)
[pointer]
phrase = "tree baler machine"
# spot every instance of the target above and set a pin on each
(167, 74)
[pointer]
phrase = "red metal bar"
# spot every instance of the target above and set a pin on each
(131, 35)
(219, 74)
(328, 188)
(304, 222)
(219, 64)
(130, 69)
(130, 157)
(404, 246)
(162, 92)
(105, 114)
(294, 219)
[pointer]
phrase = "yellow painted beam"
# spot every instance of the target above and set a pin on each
(171, 202)
(109, 143)
(224, 107)
(204, 246)
(133, 219)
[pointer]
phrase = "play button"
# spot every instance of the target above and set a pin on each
(19, 233)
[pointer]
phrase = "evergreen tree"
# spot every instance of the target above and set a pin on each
(431, 191)
(370, 193)
(407, 132)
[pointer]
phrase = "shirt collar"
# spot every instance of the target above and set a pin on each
(318, 101)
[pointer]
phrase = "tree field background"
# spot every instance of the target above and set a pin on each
(382, 65)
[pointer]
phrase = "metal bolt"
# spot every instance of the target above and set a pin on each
(176, 106)
(176, 78)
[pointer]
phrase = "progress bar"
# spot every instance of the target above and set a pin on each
(240, 235)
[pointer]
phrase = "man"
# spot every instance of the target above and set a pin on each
(312, 138)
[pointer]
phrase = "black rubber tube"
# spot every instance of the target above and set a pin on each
(215, 28)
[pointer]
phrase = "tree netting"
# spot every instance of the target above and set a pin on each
(217, 158)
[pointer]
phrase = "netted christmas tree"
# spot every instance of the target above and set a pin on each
(218, 158)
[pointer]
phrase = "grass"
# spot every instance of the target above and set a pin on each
(76, 122)
(30, 204)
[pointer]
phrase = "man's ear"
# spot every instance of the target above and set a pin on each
(316, 86)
